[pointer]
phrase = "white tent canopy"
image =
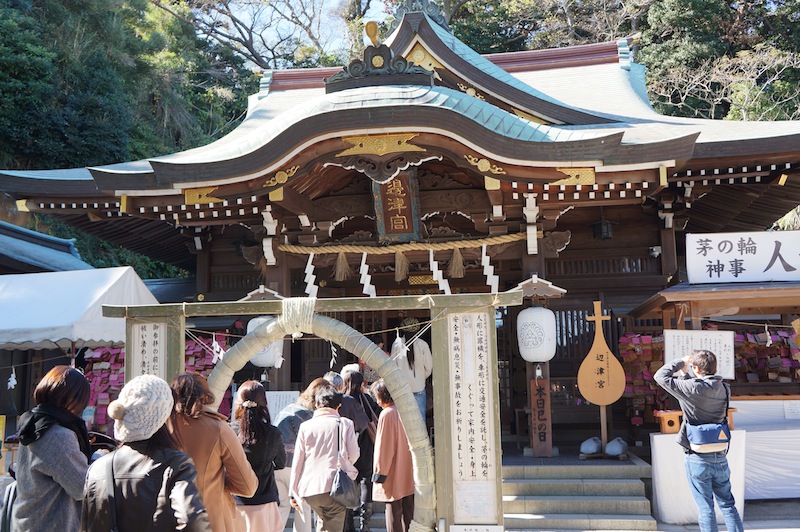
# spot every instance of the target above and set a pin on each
(45, 310)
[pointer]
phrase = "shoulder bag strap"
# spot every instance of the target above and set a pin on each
(727, 402)
(338, 444)
(368, 408)
(112, 499)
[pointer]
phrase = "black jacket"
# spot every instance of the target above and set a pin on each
(365, 443)
(155, 490)
(265, 457)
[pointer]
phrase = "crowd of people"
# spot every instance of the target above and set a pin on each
(180, 465)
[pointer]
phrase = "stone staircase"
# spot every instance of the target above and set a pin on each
(542, 494)
(589, 495)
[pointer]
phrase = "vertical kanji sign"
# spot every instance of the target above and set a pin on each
(743, 257)
(147, 349)
(397, 209)
(541, 426)
(154, 347)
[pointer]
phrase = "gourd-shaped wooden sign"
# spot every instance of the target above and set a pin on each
(601, 379)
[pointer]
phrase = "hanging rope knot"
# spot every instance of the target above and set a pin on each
(297, 314)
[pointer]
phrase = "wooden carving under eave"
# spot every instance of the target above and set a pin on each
(420, 56)
(577, 176)
(200, 196)
(383, 169)
(484, 165)
(380, 144)
(471, 91)
(601, 379)
(281, 177)
(555, 242)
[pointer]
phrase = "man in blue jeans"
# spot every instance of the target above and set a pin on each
(703, 398)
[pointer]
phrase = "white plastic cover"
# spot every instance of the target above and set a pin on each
(772, 456)
(42, 310)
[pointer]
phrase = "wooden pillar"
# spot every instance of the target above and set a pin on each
(669, 252)
(696, 316)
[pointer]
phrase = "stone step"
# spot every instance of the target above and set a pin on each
(571, 504)
(581, 471)
(377, 522)
(587, 486)
(541, 522)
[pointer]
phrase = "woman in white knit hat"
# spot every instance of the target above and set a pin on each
(146, 484)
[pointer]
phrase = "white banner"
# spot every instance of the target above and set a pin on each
(678, 344)
(743, 257)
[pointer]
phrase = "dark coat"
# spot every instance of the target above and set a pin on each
(265, 457)
(155, 491)
(352, 410)
(365, 443)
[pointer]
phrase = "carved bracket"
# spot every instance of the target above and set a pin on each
(555, 242)
(382, 170)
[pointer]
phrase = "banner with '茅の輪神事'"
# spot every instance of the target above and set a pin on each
(743, 257)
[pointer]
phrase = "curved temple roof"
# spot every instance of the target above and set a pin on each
(583, 106)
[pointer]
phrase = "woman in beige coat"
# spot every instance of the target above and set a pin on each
(393, 477)
(222, 466)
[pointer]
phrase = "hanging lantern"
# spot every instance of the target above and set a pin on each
(536, 334)
(272, 355)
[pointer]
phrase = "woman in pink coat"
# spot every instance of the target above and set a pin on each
(393, 479)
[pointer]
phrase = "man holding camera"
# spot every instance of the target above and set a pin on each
(703, 398)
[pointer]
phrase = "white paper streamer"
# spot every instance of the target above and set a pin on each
(310, 278)
(492, 280)
(366, 278)
(444, 285)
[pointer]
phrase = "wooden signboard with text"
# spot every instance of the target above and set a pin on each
(397, 209)
(541, 424)
(601, 379)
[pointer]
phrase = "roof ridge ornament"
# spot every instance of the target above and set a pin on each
(379, 67)
(426, 7)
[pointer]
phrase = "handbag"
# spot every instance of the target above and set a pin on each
(344, 489)
(710, 437)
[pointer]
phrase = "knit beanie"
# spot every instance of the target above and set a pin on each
(143, 406)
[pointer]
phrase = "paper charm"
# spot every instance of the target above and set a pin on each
(333, 354)
(12, 380)
(217, 349)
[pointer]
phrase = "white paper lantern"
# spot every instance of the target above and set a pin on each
(536, 334)
(272, 355)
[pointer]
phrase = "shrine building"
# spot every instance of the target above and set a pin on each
(424, 167)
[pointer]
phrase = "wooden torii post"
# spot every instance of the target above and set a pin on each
(463, 491)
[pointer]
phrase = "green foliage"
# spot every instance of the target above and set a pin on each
(734, 44)
(25, 70)
(685, 33)
(91, 82)
(487, 27)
